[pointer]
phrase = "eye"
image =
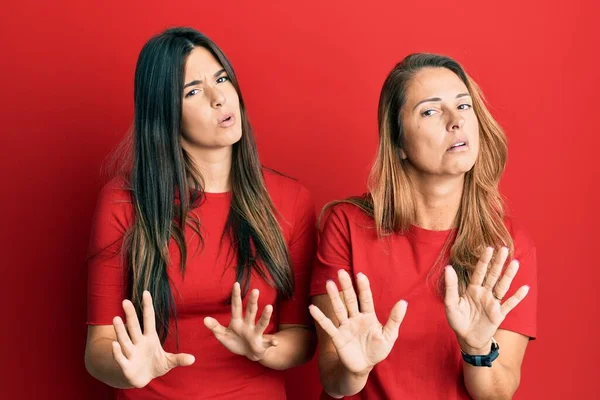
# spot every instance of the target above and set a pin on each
(222, 79)
(192, 92)
(465, 106)
(427, 113)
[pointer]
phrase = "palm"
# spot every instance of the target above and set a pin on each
(140, 354)
(244, 336)
(476, 314)
(147, 362)
(361, 343)
(360, 339)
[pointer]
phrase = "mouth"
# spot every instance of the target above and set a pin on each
(226, 120)
(458, 145)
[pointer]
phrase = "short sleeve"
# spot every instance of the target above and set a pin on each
(302, 246)
(523, 318)
(107, 278)
(333, 251)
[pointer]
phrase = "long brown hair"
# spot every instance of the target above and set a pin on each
(391, 201)
(162, 196)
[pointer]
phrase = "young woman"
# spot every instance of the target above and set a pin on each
(195, 216)
(433, 200)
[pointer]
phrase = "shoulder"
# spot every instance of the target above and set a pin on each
(523, 241)
(115, 201)
(287, 193)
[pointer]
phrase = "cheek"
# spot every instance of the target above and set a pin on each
(193, 118)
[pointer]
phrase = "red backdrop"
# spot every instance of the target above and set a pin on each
(311, 73)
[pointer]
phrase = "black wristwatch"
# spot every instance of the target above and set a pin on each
(483, 361)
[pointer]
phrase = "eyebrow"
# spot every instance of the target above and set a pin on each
(197, 82)
(438, 99)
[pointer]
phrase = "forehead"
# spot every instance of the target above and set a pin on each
(200, 63)
(434, 82)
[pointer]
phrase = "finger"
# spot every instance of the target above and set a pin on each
(132, 322)
(179, 360)
(264, 320)
(214, 325)
(365, 296)
(349, 293)
(122, 337)
(118, 355)
(337, 304)
(269, 341)
(514, 300)
(236, 301)
(452, 296)
(391, 328)
(482, 267)
(496, 269)
(504, 283)
(323, 321)
(148, 314)
(252, 308)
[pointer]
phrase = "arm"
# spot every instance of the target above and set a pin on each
(99, 360)
(502, 379)
(127, 357)
(336, 379)
(295, 346)
(352, 345)
(476, 315)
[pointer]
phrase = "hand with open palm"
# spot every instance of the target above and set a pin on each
(244, 336)
(477, 313)
(360, 339)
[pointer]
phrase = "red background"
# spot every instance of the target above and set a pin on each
(311, 73)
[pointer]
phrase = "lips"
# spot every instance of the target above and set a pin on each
(458, 144)
(226, 120)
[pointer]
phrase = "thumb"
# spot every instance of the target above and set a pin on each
(214, 326)
(391, 328)
(451, 281)
(179, 360)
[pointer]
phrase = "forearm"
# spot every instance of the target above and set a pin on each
(100, 363)
(336, 379)
(295, 346)
(483, 383)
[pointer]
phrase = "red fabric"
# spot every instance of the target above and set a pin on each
(425, 362)
(209, 278)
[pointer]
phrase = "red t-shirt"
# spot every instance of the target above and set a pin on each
(209, 278)
(425, 362)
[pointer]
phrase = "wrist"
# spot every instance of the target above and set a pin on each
(358, 374)
(475, 351)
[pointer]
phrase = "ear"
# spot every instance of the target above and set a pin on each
(403, 155)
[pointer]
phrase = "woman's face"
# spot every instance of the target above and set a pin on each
(211, 108)
(441, 131)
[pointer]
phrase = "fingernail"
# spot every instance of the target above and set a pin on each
(405, 302)
(360, 274)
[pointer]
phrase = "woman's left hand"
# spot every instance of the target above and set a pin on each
(476, 315)
(244, 336)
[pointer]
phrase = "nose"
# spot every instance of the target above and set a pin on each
(217, 98)
(456, 121)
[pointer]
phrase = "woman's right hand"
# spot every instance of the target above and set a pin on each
(140, 355)
(360, 339)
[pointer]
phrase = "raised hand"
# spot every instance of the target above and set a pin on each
(360, 339)
(244, 336)
(476, 315)
(140, 354)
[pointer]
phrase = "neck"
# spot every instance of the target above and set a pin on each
(437, 199)
(214, 166)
